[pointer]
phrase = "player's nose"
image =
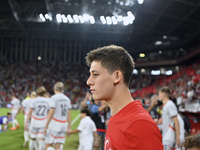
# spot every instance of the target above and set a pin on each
(89, 81)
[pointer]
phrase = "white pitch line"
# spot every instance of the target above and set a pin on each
(75, 119)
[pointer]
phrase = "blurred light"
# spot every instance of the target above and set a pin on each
(131, 17)
(158, 42)
(164, 37)
(109, 21)
(103, 20)
(75, 17)
(169, 72)
(59, 18)
(142, 55)
(46, 16)
(135, 71)
(42, 17)
(119, 18)
(160, 52)
(117, 1)
(39, 58)
(143, 70)
(155, 72)
(69, 17)
(125, 21)
(121, 3)
(109, 3)
(114, 20)
(177, 67)
(81, 19)
(64, 19)
(66, 1)
(140, 1)
(8, 105)
(181, 49)
(92, 20)
(86, 17)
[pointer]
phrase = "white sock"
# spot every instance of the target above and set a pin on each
(13, 122)
(16, 122)
(61, 146)
(31, 144)
(50, 148)
(26, 136)
(36, 145)
(41, 145)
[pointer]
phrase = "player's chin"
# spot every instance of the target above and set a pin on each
(96, 98)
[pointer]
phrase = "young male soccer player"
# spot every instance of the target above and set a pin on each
(87, 131)
(25, 110)
(4, 120)
(59, 118)
(39, 108)
(170, 125)
(14, 111)
(131, 126)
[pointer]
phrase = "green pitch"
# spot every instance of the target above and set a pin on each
(13, 140)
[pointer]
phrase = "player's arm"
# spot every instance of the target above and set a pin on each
(23, 110)
(84, 102)
(49, 117)
(28, 117)
(102, 107)
(177, 130)
(69, 120)
(152, 105)
(96, 143)
(75, 131)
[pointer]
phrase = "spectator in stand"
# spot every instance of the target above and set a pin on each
(192, 142)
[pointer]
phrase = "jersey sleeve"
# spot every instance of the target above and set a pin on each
(32, 104)
(5, 120)
(69, 105)
(94, 127)
(142, 135)
(172, 110)
(52, 103)
(23, 103)
(12, 102)
(81, 125)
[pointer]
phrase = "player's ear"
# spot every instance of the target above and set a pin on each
(117, 76)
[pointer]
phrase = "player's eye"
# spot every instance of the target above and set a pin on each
(95, 75)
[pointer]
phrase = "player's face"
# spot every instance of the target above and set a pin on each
(9, 116)
(161, 95)
(82, 115)
(100, 82)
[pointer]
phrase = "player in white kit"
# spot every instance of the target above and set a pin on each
(59, 118)
(170, 125)
(25, 110)
(39, 108)
(14, 111)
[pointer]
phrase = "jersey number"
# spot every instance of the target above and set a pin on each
(63, 110)
(41, 110)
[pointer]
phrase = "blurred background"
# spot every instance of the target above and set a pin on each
(44, 41)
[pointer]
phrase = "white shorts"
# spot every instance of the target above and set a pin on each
(84, 147)
(55, 137)
(168, 145)
(36, 132)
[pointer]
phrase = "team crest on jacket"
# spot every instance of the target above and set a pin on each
(108, 144)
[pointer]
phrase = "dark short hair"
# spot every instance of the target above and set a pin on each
(86, 111)
(192, 141)
(166, 90)
(8, 113)
(113, 58)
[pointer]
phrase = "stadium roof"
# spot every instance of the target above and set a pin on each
(142, 25)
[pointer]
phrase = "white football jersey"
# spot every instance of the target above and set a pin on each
(40, 107)
(16, 104)
(26, 105)
(61, 104)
